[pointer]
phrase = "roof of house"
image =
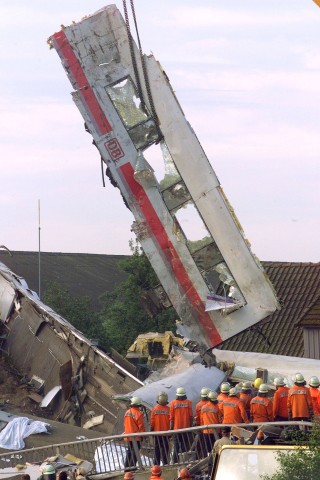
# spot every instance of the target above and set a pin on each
(82, 274)
(297, 286)
(298, 289)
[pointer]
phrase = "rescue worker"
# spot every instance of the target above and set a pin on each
(181, 416)
(224, 440)
(261, 408)
(315, 396)
(224, 393)
(299, 400)
(246, 396)
(160, 422)
(203, 400)
(280, 400)
(200, 445)
(156, 473)
(210, 414)
(133, 423)
(233, 410)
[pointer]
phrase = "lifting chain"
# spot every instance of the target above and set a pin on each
(144, 69)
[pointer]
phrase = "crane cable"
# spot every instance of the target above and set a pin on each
(144, 69)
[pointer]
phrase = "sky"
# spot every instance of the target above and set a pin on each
(247, 75)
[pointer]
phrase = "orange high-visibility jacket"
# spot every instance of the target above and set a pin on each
(261, 409)
(233, 411)
(315, 396)
(198, 412)
(246, 399)
(280, 402)
(133, 422)
(210, 414)
(221, 398)
(299, 402)
(160, 418)
(180, 414)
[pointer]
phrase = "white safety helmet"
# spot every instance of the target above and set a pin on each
(180, 392)
(279, 382)
(204, 392)
(314, 382)
(162, 398)
(212, 396)
(246, 386)
(225, 387)
(136, 401)
(47, 469)
(299, 378)
(263, 388)
(233, 392)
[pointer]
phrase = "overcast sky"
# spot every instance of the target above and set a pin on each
(247, 74)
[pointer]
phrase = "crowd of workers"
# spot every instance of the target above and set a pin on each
(244, 403)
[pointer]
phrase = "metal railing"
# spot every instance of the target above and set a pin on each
(116, 453)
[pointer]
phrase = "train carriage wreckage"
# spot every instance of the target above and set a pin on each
(131, 111)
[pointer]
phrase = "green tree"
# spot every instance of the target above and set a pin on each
(303, 463)
(123, 316)
(79, 311)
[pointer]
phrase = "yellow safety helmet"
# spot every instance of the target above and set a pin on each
(257, 382)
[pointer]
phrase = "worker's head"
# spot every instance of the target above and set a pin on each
(212, 396)
(181, 393)
(135, 402)
(299, 379)
(80, 472)
(128, 476)
(246, 386)
(225, 431)
(156, 471)
(162, 398)
(314, 382)
(257, 382)
(233, 392)
(184, 473)
(204, 392)
(225, 387)
(47, 469)
(263, 389)
(279, 382)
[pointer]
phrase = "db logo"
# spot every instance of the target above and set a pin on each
(114, 149)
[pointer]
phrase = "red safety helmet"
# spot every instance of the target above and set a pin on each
(184, 473)
(128, 476)
(156, 470)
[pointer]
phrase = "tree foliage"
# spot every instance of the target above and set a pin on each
(79, 311)
(123, 316)
(302, 463)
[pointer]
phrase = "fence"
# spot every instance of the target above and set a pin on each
(114, 453)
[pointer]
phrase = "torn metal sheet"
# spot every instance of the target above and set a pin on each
(135, 124)
(55, 354)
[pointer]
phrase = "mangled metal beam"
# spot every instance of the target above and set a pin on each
(131, 111)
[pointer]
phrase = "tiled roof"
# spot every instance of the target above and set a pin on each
(312, 316)
(298, 289)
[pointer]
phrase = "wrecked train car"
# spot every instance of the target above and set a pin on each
(71, 375)
(131, 111)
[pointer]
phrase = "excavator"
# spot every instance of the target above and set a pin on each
(207, 272)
